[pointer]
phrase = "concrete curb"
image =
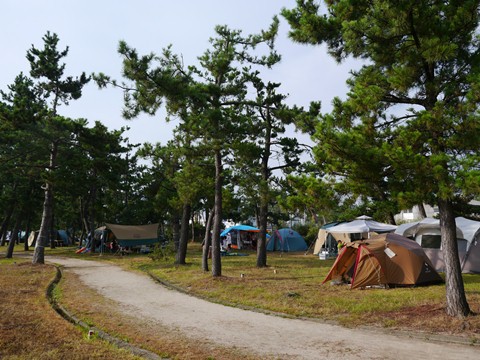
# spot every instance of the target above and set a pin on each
(92, 329)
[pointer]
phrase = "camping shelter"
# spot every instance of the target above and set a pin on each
(386, 259)
(329, 240)
(286, 240)
(61, 238)
(361, 226)
(134, 235)
(427, 233)
(240, 236)
(239, 228)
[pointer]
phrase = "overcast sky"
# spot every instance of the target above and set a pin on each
(92, 30)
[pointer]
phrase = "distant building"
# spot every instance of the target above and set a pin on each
(413, 214)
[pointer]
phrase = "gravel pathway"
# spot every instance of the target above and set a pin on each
(255, 333)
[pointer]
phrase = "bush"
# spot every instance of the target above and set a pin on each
(163, 252)
(308, 231)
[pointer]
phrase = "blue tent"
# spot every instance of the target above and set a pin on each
(63, 237)
(286, 240)
(239, 228)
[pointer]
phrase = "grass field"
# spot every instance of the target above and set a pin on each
(290, 285)
(31, 329)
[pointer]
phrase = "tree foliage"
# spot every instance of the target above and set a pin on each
(410, 104)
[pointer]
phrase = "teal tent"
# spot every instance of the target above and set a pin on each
(62, 237)
(286, 240)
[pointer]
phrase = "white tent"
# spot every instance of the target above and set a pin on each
(362, 226)
(426, 226)
(427, 234)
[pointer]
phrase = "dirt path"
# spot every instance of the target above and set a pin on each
(256, 333)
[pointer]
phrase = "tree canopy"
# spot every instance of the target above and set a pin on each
(409, 106)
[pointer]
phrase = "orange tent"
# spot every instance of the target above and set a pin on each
(387, 259)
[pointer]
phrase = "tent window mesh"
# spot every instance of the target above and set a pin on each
(431, 241)
(462, 245)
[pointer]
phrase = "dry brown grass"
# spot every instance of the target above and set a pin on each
(31, 329)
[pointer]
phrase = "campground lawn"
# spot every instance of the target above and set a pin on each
(292, 285)
(31, 329)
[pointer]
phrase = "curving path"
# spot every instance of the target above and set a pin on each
(253, 332)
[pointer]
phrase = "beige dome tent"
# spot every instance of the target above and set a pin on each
(386, 259)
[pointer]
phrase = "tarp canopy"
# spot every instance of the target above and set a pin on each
(134, 235)
(386, 259)
(362, 226)
(427, 233)
(286, 240)
(239, 228)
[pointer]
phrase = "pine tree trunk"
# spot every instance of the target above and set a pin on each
(421, 211)
(182, 245)
(47, 216)
(27, 232)
(456, 300)
(93, 199)
(53, 233)
(39, 253)
(207, 241)
(6, 219)
(264, 196)
(262, 241)
(176, 230)
(14, 238)
(217, 224)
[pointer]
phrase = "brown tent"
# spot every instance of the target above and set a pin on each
(387, 259)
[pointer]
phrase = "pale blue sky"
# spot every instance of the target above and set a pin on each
(92, 30)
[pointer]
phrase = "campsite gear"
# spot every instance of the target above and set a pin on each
(427, 233)
(387, 259)
(328, 241)
(286, 240)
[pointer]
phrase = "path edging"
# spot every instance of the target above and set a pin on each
(100, 333)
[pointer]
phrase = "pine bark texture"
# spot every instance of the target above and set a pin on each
(182, 245)
(457, 304)
(216, 261)
(207, 241)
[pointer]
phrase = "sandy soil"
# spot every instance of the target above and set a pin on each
(253, 332)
